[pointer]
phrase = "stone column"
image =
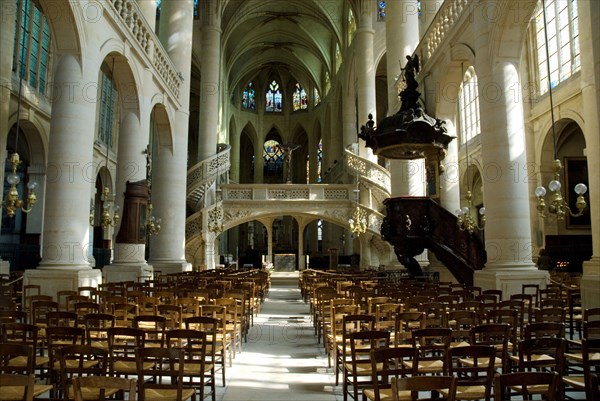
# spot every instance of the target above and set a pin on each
(349, 116)
(69, 175)
(301, 259)
(365, 70)
(167, 250)
(401, 27)
(148, 9)
(209, 87)
(589, 13)
(313, 165)
(129, 262)
(506, 191)
(8, 12)
(234, 156)
(259, 163)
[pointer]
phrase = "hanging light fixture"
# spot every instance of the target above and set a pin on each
(12, 202)
(358, 222)
(110, 212)
(465, 220)
(558, 206)
(152, 222)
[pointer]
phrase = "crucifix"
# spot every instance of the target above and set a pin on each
(288, 149)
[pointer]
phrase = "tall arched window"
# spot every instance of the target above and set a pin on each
(468, 105)
(320, 161)
(338, 57)
(249, 97)
(300, 99)
(351, 26)
(32, 45)
(381, 11)
(108, 107)
(563, 42)
(327, 82)
(273, 158)
(316, 96)
(273, 98)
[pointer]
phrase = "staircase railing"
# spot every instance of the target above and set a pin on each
(203, 175)
(413, 224)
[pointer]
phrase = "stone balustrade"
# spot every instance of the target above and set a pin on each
(132, 21)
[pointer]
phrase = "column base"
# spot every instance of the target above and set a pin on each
(171, 267)
(509, 279)
(4, 268)
(590, 283)
(51, 281)
(136, 272)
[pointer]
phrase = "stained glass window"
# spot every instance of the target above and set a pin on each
(562, 23)
(468, 104)
(338, 57)
(320, 161)
(32, 45)
(249, 98)
(300, 99)
(316, 96)
(273, 158)
(327, 82)
(381, 11)
(273, 98)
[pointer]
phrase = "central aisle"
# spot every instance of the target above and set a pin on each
(281, 360)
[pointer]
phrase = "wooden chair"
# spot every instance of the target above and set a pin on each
(17, 387)
(26, 334)
(589, 358)
(16, 359)
(351, 323)
(428, 386)
(475, 378)
(432, 345)
(544, 329)
(222, 341)
(461, 322)
(497, 335)
(386, 363)
(507, 385)
(61, 318)
(199, 371)
(215, 354)
(154, 366)
(357, 372)
(103, 387)
(122, 343)
(404, 325)
(80, 360)
(509, 317)
(59, 337)
(541, 354)
(154, 327)
(96, 328)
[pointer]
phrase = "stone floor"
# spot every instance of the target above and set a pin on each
(281, 360)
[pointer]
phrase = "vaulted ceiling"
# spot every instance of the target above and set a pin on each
(261, 38)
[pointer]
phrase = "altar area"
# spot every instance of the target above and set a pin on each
(284, 262)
